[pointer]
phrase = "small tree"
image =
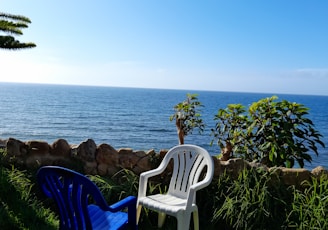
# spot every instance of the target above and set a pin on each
(274, 133)
(187, 117)
(230, 130)
(13, 25)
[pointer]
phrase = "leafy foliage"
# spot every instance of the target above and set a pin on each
(309, 207)
(124, 183)
(251, 201)
(187, 116)
(230, 129)
(13, 25)
(19, 206)
(276, 133)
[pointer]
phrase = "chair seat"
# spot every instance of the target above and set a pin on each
(165, 203)
(105, 219)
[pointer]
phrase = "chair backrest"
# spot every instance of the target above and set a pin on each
(190, 162)
(72, 192)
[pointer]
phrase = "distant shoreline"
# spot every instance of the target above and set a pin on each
(173, 89)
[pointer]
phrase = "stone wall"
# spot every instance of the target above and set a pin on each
(105, 160)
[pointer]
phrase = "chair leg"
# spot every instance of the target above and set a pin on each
(196, 220)
(183, 221)
(138, 212)
(161, 219)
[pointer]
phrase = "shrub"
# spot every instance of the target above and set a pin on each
(309, 207)
(19, 206)
(273, 133)
(187, 117)
(250, 202)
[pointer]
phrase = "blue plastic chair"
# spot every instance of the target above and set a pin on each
(73, 193)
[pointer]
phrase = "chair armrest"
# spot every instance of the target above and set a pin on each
(143, 180)
(193, 189)
(206, 181)
(129, 202)
(197, 186)
(154, 172)
(126, 202)
(200, 185)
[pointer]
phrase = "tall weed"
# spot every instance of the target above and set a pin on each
(309, 207)
(249, 202)
(19, 207)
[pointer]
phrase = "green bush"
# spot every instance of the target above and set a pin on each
(275, 133)
(258, 200)
(19, 206)
(251, 201)
(187, 117)
(309, 207)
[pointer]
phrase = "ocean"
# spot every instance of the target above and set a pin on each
(126, 117)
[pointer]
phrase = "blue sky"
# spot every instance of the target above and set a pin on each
(277, 46)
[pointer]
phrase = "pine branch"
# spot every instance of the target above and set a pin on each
(11, 27)
(19, 18)
(9, 42)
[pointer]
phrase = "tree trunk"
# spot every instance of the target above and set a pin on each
(181, 137)
(180, 131)
(226, 152)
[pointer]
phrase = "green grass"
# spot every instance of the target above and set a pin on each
(309, 207)
(255, 200)
(19, 206)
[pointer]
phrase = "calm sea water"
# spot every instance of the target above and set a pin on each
(124, 117)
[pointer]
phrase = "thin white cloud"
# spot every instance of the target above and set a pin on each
(312, 72)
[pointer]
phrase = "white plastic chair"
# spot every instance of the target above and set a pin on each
(180, 200)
